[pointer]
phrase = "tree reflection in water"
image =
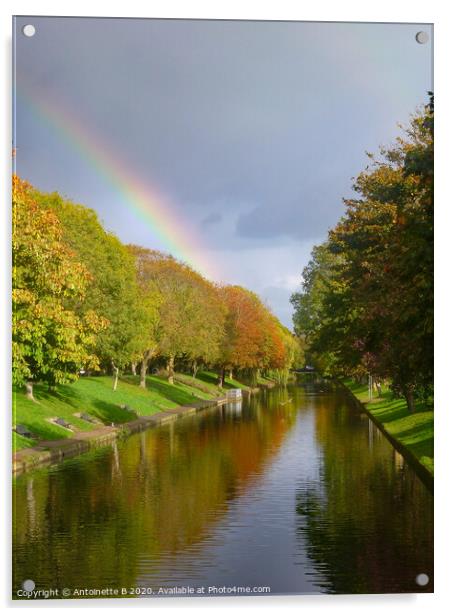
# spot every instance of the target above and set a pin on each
(291, 489)
(369, 505)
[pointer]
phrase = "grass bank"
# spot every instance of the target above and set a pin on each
(212, 379)
(414, 431)
(95, 397)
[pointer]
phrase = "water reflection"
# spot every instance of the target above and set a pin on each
(291, 488)
(368, 523)
(156, 493)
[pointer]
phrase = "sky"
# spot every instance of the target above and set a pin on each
(230, 144)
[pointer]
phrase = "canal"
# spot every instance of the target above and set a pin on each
(294, 489)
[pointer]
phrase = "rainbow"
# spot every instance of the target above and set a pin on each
(139, 196)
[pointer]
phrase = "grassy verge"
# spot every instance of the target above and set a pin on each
(413, 430)
(212, 390)
(212, 378)
(95, 396)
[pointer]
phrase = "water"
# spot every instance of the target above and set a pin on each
(295, 490)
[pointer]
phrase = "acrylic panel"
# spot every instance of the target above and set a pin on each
(222, 308)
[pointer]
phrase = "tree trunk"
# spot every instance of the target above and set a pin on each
(29, 390)
(171, 370)
(116, 373)
(230, 373)
(221, 377)
(144, 368)
(409, 397)
(195, 368)
(134, 368)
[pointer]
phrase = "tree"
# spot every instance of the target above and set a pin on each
(51, 341)
(190, 315)
(367, 300)
(386, 239)
(315, 322)
(112, 289)
(242, 330)
(147, 338)
(290, 355)
(252, 339)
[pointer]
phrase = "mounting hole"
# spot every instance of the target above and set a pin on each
(422, 579)
(422, 37)
(29, 30)
(28, 585)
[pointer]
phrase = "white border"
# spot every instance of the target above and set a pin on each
(435, 12)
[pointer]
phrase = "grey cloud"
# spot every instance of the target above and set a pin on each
(250, 130)
(212, 219)
(305, 218)
(277, 296)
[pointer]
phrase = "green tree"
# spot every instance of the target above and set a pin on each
(112, 290)
(386, 240)
(367, 299)
(316, 317)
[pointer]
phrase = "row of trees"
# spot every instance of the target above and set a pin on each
(83, 300)
(366, 305)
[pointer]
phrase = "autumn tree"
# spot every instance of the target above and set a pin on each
(242, 336)
(190, 314)
(51, 340)
(289, 354)
(252, 339)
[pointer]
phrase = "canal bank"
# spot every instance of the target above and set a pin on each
(410, 434)
(53, 451)
(72, 419)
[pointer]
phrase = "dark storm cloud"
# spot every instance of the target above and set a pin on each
(212, 219)
(251, 130)
(237, 110)
(306, 216)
